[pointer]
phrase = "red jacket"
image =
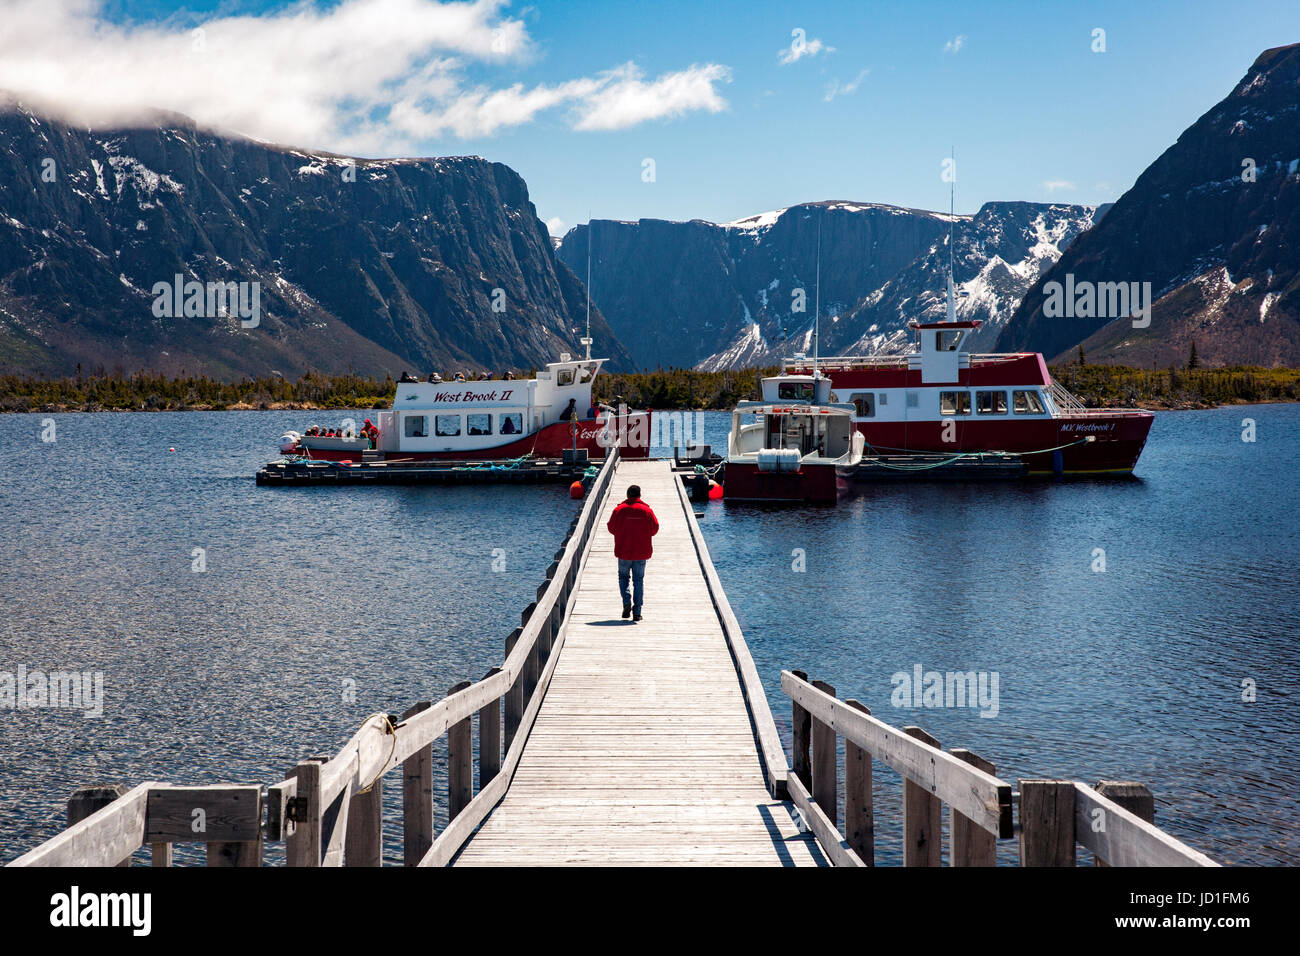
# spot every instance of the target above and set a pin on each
(633, 524)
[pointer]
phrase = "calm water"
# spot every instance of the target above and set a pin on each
(235, 673)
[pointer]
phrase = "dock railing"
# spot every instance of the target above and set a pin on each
(1055, 816)
(328, 810)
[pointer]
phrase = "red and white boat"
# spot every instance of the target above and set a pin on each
(489, 420)
(801, 447)
(941, 400)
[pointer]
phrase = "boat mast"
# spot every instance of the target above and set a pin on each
(952, 217)
(817, 297)
(586, 339)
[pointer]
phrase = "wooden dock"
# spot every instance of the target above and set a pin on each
(601, 741)
(645, 749)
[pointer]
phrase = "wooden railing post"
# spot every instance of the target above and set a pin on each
(514, 696)
(922, 817)
(800, 738)
(489, 737)
(417, 798)
(970, 844)
(160, 854)
(825, 762)
(859, 810)
(531, 668)
(460, 761)
(302, 847)
(87, 800)
(363, 843)
(1134, 797)
(1047, 823)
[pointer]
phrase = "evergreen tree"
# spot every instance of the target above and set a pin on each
(1193, 360)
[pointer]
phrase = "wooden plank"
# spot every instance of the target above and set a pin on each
(489, 739)
(303, 845)
(983, 798)
(417, 798)
(160, 854)
(801, 738)
(222, 813)
(240, 854)
(278, 797)
(971, 844)
(460, 761)
(1047, 822)
(365, 835)
(1134, 797)
(922, 816)
(106, 837)
(825, 762)
(859, 812)
(514, 696)
(1124, 838)
(828, 837)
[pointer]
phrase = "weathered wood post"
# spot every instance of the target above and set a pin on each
(531, 668)
(460, 760)
(417, 798)
(859, 810)
(825, 763)
(363, 844)
(489, 737)
(303, 846)
(87, 800)
(970, 843)
(1047, 823)
(515, 695)
(1134, 797)
(922, 817)
(800, 738)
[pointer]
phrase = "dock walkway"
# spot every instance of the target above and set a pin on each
(644, 748)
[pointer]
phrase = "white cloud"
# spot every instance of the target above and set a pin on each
(555, 226)
(955, 44)
(800, 48)
(369, 76)
(835, 89)
(1055, 185)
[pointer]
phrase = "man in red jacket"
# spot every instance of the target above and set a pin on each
(632, 524)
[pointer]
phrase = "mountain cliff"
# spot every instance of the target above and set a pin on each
(1213, 225)
(367, 265)
(743, 293)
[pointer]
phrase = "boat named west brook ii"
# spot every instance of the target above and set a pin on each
(496, 419)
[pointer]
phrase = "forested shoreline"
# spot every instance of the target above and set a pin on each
(1095, 385)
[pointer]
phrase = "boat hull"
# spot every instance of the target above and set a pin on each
(743, 481)
(550, 442)
(1095, 443)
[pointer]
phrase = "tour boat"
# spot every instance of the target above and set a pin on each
(941, 400)
(497, 419)
(802, 447)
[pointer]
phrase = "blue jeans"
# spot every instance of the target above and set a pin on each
(636, 571)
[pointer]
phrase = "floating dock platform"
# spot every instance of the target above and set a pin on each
(969, 467)
(429, 472)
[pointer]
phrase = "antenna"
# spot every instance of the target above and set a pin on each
(586, 339)
(817, 295)
(952, 218)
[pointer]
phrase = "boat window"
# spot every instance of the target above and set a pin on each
(586, 375)
(947, 341)
(865, 403)
(913, 400)
(991, 403)
(415, 426)
(478, 424)
(795, 391)
(1026, 403)
(884, 398)
(446, 426)
(565, 377)
(954, 403)
(511, 423)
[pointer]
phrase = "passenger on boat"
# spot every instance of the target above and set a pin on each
(592, 411)
(509, 376)
(571, 412)
(407, 377)
(484, 377)
(370, 433)
(435, 378)
(508, 425)
(460, 376)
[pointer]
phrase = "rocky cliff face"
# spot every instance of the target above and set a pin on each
(365, 265)
(743, 293)
(1213, 225)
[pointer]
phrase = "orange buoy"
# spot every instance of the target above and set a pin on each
(575, 490)
(715, 491)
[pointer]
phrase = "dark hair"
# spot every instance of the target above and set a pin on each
(633, 491)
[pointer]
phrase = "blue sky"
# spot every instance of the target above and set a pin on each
(1032, 112)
